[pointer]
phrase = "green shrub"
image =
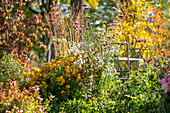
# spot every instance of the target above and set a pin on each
(10, 69)
(137, 94)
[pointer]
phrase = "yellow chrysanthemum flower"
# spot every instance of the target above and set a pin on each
(67, 86)
(62, 91)
(61, 57)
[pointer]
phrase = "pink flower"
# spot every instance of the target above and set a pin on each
(87, 16)
(163, 58)
(91, 24)
(76, 22)
(65, 9)
(94, 13)
(114, 8)
(162, 81)
(165, 87)
(84, 5)
(36, 88)
(39, 106)
(39, 98)
(165, 84)
(51, 97)
(131, 15)
(121, 16)
(87, 28)
(62, 34)
(8, 111)
(115, 21)
(167, 79)
(77, 26)
(104, 22)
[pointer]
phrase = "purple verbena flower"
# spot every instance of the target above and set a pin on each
(141, 40)
(82, 26)
(74, 27)
(149, 60)
(94, 13)
(104, 22)
(87, 28)
(107, 25)
(169, 84)
(87, 16)
(162, 51)
(84, 4)
(109, 36)
(131, 15)
(76, 22)
(65, 9)
(53, 40)
(100, 17)
(137, 41)
(91, 24)
(113, 37)
(156, 65)
(115, 21)
(62, 34)
(163, 58)
(114, 8)
(121, 16)
(164, 54)
(86, 8)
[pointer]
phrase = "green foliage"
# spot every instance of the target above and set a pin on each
(88, 102)
(99, 104)
(160, 65)
(10, 69)
(137, 94)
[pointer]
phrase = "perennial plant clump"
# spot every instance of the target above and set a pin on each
(160, 66)
(10, 69)
(70, 76)
(12, 99)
